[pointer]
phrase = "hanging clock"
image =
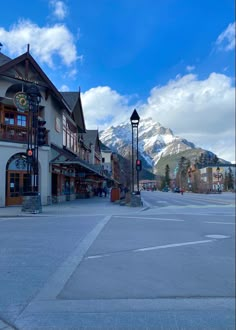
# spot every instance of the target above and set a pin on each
(21, 102)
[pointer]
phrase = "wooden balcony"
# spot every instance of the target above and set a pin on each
(16, 134)
(11, 133)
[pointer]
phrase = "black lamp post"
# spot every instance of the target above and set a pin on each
(34, 98)
(134, 119)
(218, 177)
(190, 170)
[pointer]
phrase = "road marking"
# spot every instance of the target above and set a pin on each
(98, 256)
(172, 245)
(221, 223)
(160, 219)
(217, 236)
(58, 280)
(158, 247)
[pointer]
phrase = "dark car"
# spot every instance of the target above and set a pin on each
(176, 190)
(166, 189)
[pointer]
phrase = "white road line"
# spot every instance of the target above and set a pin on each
(221, 223)
(98, 256)
(217, 236)
(150, 248)
(159, 219)
(172, 245)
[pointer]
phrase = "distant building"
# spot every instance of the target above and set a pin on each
(213, 178)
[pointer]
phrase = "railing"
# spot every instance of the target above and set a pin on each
(11, 133)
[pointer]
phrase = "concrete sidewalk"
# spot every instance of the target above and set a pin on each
(101, 205)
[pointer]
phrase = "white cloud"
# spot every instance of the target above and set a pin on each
(64, 88)
(59, 9)
(226, 40)
(46, 43)
(190, 68)
(193, 105)
(202, 111)
(104, 107)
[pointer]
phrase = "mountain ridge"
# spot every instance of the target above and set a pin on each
(155, 143)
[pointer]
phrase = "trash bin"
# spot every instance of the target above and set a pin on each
(115, 194)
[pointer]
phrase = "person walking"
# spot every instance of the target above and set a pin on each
(105, 191)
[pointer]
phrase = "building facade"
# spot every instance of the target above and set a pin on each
(65, 159)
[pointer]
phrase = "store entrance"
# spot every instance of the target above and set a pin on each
(16, 187)
(16, 179)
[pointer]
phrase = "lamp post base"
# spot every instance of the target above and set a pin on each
(135, 200)
(32, 203)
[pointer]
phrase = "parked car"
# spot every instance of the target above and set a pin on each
(176, 190)
(166, 189)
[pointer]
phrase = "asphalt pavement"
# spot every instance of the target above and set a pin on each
(95, 206)
(93, 264)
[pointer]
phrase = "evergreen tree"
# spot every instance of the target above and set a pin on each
(167, 175)
(202, 160)
(209, 159)
(182, 176)
(215, 160)
(230, 179)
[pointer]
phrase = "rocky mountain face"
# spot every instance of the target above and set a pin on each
(155, 141)
(157, 147)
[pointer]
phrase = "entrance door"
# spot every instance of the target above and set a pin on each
(16, 187)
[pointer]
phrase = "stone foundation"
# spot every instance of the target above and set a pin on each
(135, 200)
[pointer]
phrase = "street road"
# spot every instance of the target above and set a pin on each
(95, 265)
(157, 198)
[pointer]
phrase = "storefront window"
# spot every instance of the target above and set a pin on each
(9, 119)
(70, 138)
(21, 120)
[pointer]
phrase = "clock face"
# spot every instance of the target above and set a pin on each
(21, 102)
(20, 164)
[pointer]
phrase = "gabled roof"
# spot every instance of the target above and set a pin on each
(73, 99)
(91, 136)
(4, 59)
(104, 147)
(27, 58)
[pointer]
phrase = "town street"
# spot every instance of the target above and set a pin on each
(93, 264)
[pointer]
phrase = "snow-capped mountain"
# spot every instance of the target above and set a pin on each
(155, 141)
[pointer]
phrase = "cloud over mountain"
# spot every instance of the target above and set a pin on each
(202, 111)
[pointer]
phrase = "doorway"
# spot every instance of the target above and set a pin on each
(16, 179)
(16, 187)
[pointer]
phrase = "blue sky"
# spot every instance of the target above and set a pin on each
(172, 60)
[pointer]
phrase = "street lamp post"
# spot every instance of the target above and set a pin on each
(32, 199)
(190, 170)
(134, 119)
(218, 178)
(34, 98)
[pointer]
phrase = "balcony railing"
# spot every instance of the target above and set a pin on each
(11, 133)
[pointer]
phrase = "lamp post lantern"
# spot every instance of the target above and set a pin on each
(134, 119)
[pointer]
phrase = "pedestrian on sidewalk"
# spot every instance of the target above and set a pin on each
(105, 191)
